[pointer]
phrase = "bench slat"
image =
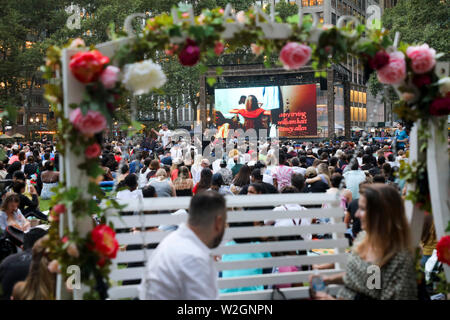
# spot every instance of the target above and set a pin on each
(262, 200)
(237, 232)
(290, 293)
(271, 246)
(232, 216)
(280, 261)
(131, 291)
(271, 278)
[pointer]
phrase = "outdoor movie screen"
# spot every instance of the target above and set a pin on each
(290, 109)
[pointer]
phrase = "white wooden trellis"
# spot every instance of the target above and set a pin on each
(437, 152)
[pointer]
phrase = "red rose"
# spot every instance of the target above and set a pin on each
(105, 241)
(443, 250)
(101, 262)
(421, 80)
(93, 151)
(190, 54)
(88, 66)
(440, 107)
(64, 239)
(379, 60)
(59, 208)
(218, 48)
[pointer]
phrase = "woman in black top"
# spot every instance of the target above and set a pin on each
(28, 207)
(30, 167)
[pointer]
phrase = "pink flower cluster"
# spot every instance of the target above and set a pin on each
(295, 55)
(89, 124)
(109, 77)
(423, 58)
(394, 72)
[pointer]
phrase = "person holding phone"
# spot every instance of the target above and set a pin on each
(384, 245)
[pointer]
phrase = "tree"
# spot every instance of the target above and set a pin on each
(25, 27)
(419, 21)
(284, 9)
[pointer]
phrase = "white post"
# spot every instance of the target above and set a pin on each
(414, 214)
(439, 178)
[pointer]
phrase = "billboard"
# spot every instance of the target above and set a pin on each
(289, 109)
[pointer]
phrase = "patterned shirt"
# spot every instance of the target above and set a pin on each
(283, 175)
(397, 278)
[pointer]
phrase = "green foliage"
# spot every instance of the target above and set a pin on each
(419, 21)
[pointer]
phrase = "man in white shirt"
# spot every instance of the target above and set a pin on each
(132, 191)
(182, 266)
(165, 134)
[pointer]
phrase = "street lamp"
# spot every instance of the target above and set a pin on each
(31, 120)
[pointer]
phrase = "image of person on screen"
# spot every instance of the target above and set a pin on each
(252, 113)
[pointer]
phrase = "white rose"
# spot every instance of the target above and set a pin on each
(444, 86)
(240, 17)
(142, 77)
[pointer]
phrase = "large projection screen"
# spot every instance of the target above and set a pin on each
(292, 110)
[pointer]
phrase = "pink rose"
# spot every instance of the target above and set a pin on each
(78, 42)
(256, 49)
(218, 48)
(75, 116)
(53, 266)
(422, 58)
(110, 76)
(91, 123)
(295, 55)
(72, 250)
(93, 151)
(395, 71)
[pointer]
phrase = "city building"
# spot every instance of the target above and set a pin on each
(343, 103)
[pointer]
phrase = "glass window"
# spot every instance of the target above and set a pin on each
(333, 19)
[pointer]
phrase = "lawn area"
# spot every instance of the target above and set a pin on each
(44, 205)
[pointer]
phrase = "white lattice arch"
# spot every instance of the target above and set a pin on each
(437, 161)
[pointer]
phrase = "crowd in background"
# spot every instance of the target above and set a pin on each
(157, 166)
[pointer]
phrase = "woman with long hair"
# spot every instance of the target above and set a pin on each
(384, 245)
(205, 181)
(241, 179)
(10, 214)
(183, 183)
(154, 167)
(163, 186)
(253, 113)
(142, 180)
(40, 282)
(323, 174)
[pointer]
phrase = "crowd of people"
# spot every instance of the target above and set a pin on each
(363, 175)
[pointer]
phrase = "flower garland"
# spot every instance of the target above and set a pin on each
(409, 69)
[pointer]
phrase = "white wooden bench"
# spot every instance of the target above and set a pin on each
(336, 227)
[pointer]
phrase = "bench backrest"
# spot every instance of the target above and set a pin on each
(123, 269)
